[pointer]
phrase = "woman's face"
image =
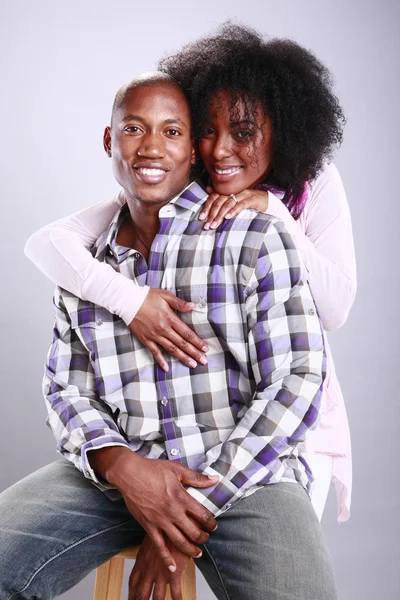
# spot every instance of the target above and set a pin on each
(236, 151)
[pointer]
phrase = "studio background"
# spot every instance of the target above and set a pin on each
(61, 64)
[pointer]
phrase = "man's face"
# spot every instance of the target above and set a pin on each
(151, 144)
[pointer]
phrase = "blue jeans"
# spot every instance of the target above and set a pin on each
(56, 527)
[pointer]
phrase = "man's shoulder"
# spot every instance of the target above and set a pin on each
(255, 227)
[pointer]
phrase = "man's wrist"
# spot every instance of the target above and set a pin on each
(109, 463)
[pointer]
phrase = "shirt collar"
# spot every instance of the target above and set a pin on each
(190, 199)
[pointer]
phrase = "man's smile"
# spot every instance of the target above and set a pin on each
(150, 172)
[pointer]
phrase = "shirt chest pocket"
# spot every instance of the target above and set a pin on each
(216, 312)
(101, 332)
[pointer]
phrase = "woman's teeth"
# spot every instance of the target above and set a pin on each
(230, 171)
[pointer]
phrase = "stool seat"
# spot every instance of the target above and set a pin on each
(109, 577)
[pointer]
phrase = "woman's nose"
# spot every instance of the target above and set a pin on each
(222, 147)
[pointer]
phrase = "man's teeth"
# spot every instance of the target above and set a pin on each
(147, 171)
(227, 171)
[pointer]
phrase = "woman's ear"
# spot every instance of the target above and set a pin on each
(194, 155)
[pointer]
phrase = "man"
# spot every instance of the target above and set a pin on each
(180, 459)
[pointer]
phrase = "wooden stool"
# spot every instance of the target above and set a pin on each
(109, 578)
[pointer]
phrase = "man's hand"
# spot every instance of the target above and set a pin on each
(149, 571)
(155, 324)
(154, 494)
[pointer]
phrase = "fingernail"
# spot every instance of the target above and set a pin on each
(203, 360)
(207, 226)
(228, 216)
(199, 555)
(214, 225)
(172, 568)
(165, 368)
(192, 363)
(205, 348)
(216, 527)
(202, 216)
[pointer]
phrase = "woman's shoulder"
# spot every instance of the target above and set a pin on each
(328, 176)
(327, 189)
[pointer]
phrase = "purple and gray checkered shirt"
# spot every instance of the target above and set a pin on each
(243, 416)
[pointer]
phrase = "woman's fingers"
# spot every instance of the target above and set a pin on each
(207, 205)
(219, 207)
(158, 327)
(175, 345)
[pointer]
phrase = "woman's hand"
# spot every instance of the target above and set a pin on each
(217, 208)
(155, 324)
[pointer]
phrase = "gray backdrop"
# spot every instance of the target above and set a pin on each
(61, 63)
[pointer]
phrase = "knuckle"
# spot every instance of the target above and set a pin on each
(161, 327)
(189, 335)
(200, 537)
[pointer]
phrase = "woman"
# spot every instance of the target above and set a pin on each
(242, 89)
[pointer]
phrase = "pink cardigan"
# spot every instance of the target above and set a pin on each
(323, 235)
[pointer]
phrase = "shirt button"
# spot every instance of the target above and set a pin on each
(227, 506)
(137, 255)
(202, 303)
(110, 252)
(164, 401)
(99, 322)
(311, 311)
(174, 451)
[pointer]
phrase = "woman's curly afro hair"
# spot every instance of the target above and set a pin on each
(293, 86)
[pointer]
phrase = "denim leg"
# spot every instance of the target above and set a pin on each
(56, 527)
(269, 546)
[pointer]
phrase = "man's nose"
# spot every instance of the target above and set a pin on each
(222, 147)
(152, 146)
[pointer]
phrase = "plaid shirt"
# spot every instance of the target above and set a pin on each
(243, 416)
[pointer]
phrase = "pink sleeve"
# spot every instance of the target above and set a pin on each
(61, 251)
(324, 236)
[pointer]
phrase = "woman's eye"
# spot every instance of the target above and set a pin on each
(174, 132)
(244, 134)
(207, 131)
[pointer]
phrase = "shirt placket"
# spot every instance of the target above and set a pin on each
(154, 278)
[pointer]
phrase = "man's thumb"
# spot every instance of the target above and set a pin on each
(190, 477)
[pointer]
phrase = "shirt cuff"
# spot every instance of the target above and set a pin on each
(105, 441)
(217, 498)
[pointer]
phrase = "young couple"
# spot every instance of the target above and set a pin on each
(197, 451)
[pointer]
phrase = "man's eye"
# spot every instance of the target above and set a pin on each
(174, 132)
(131, 129)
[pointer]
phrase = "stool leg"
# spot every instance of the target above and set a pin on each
(109, 580)
(189, 582)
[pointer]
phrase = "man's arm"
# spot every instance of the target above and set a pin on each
(79, 420)
(287, 357)
(88, 436)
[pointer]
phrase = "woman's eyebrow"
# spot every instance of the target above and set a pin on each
(243, 122)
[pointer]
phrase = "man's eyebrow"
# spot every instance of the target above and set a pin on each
(166, 122)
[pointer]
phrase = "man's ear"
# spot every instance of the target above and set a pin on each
(107, 140)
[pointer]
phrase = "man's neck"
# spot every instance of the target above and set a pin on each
(141, 226)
